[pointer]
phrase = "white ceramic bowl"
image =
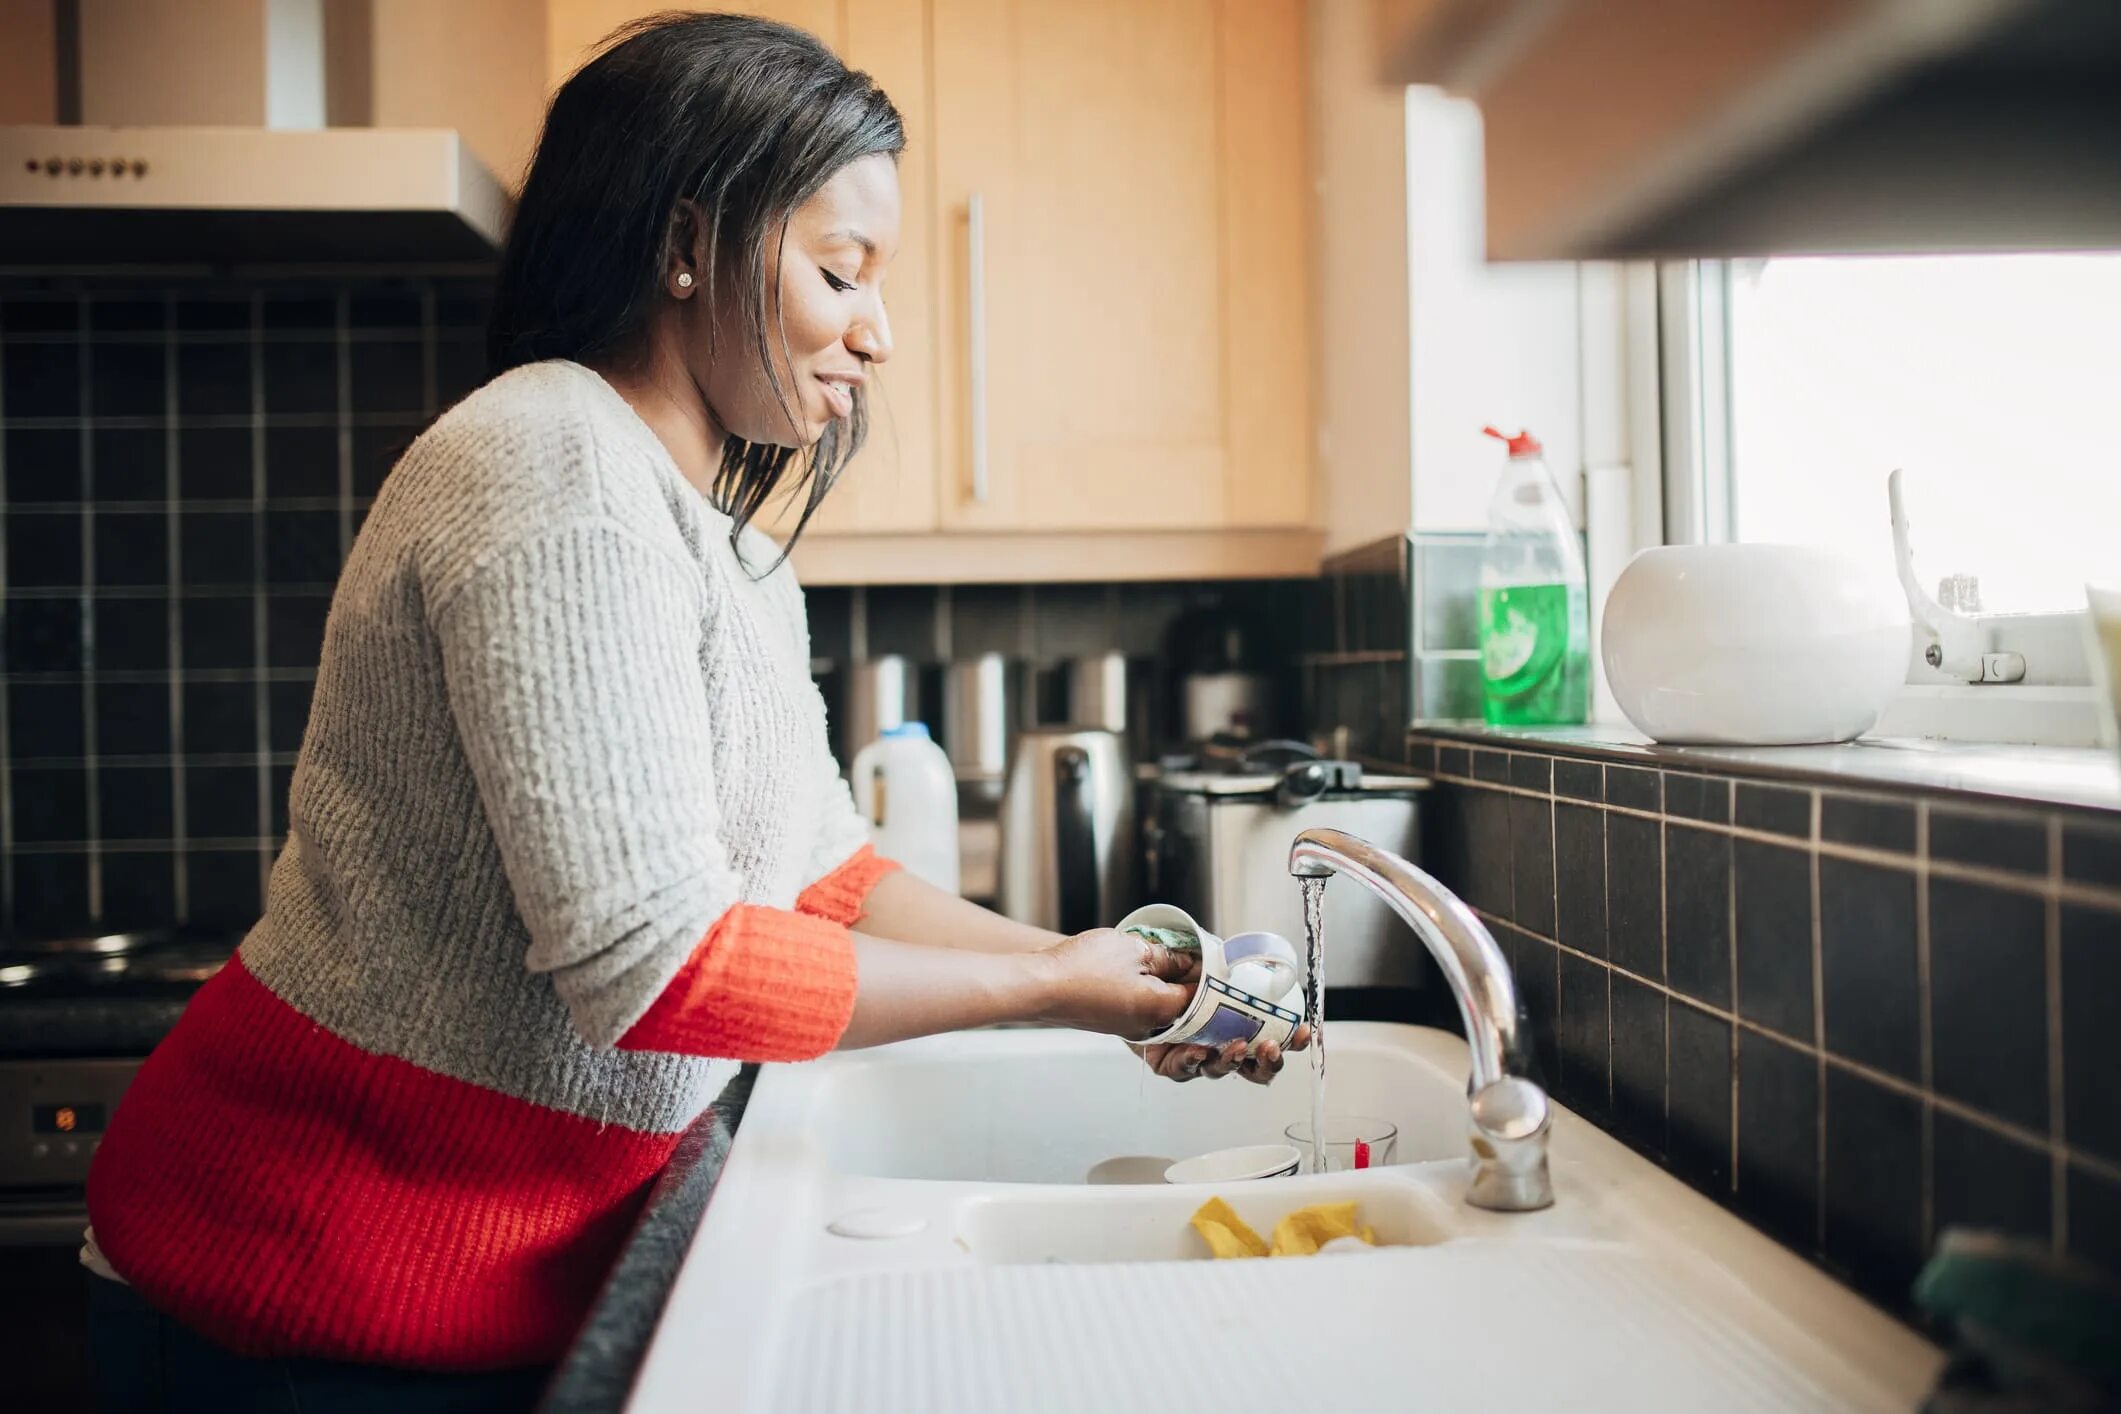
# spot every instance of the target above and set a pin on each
(1754, 645)
(1254, 1161)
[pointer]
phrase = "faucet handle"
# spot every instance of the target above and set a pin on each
(1511, 1118)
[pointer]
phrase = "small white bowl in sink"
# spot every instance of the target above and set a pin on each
(1237, 1165)
(1754, 645)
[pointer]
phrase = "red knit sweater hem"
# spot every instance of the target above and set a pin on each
(283, 1192)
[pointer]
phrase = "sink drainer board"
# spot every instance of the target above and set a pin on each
(1472, 1326)
(986, 1277)
(1152, 1225)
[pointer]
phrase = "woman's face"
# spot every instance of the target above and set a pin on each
(825, 322)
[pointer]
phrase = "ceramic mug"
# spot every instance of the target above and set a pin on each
(1221, 1013)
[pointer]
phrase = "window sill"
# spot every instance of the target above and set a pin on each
(2080, 777)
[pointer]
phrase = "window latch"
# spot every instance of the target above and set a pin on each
(1958, 645)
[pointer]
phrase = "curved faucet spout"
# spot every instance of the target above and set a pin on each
(1509, 1113)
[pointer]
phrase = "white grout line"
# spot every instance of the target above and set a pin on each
(2057, 1082)
(261, 698)
(1814, 808)
(1730, 945)
(342, 377)
(379, 334)
(173, 585)
(428, 394)
(7, 791)
(1925, 1023)
(213, 421)
(91, 774)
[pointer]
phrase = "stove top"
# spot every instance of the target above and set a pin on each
(112, 995)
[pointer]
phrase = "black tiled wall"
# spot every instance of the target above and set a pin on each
(1043, 626)
(1855, 1019)
(182, 467)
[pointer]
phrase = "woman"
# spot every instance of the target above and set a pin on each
(567, 844)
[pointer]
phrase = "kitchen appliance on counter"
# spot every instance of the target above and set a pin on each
(1221, 678)
(882, 693)
(1216, 828)
(77, 1015)
(1105, 690)
(979, 704)
(1068, 838)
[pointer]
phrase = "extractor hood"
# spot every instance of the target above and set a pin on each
(200, 137)
(1647, 128)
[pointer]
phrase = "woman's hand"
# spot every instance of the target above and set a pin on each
(1181, 1062)
(1116, 983)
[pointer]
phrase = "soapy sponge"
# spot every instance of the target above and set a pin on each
(1173, 939)
(1300, 1234)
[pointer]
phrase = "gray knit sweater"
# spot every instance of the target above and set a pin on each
(558, 732)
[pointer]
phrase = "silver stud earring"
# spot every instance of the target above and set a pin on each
(684, 280)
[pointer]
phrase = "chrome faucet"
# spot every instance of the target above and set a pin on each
(1509, 1113)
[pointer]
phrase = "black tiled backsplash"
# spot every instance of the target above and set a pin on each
(176, 507)
(182, 471)
(1855, 1018)
(1042, 627)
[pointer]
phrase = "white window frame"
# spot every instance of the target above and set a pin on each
(1687, 304)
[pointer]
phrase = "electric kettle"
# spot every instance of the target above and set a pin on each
(1068, 830)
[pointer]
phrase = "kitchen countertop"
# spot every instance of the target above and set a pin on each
(598, 1373)
(2080, 777)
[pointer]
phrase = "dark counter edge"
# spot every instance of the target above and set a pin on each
(2081, 779)
(598, 1373)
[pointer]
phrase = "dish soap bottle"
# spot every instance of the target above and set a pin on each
(1535, 627)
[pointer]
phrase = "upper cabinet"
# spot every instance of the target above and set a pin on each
(1123, 276)
(1760, 127)
(1101, 300)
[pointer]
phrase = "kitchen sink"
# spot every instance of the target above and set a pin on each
(1150, 1225)
(910, 1229)
(1041, 1107)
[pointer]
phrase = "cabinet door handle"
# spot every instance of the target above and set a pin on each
(976, 336)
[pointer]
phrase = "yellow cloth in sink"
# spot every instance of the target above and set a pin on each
(1300, 1234)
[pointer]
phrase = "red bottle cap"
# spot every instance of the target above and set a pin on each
(1362, 1154)
(1524, 444)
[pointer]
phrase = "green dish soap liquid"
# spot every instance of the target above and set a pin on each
(1535, 627)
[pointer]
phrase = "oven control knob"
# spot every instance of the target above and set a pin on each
(40, 1150)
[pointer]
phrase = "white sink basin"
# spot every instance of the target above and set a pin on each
(1009, 1284)
(1043, 1107)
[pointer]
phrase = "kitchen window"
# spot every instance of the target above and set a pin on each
(1990, 378)
(1792, 386)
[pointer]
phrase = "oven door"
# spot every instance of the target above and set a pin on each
(53, 1220)
(52, 1117)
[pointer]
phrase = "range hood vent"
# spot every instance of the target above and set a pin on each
(196, 134)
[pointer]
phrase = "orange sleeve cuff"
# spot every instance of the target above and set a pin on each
(765, 984)
(840, 896)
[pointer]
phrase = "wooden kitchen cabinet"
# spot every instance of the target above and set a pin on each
(1140, 173)
(1143, 287)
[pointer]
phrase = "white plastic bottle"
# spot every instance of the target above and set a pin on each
(905, 785)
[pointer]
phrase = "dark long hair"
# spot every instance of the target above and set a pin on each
(743, 117)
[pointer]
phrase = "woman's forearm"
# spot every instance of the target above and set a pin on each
(913, 911)
(909, 990)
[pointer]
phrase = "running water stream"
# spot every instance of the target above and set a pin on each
(1315, 1011)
